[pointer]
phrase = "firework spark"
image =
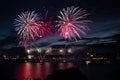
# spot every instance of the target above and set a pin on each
(27, 26)
(72, 22)
(47, 26)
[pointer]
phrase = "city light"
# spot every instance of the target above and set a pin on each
(70, 50)
(39, 50)
(48, 50)
(61, 50)
(87, 62)
(28, 51)
(30, 56)
(91, 55)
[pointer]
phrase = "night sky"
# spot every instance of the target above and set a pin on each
(104, 14)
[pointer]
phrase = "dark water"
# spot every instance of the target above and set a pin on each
(23, 71)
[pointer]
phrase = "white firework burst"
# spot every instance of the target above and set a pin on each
(72, 22)
(27, 26)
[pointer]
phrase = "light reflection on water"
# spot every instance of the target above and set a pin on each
(30, 70)
(65, 65)
(98, 70)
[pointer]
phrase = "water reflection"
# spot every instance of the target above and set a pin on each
(65, 65)
(29, 70)
(99, 70)
(24, 71)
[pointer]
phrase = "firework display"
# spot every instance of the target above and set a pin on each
(71, 25)
(47, 25)
(72, 22)
(27, 26)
